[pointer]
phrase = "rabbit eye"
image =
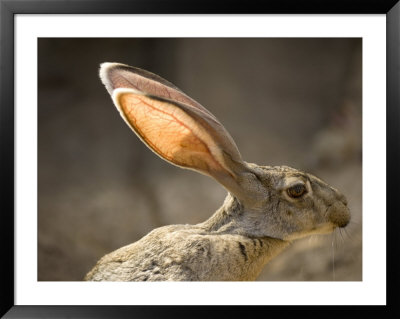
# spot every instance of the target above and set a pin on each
(296, 190)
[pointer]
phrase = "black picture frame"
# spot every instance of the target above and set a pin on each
(8, 10)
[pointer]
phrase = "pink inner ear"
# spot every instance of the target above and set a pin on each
(170, 132)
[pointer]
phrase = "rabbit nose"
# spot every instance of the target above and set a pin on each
(339, 213)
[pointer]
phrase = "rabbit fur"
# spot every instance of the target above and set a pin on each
(265, 210)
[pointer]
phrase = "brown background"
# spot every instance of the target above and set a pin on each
(294, 102)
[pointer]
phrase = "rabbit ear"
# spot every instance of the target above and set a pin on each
(183, 134)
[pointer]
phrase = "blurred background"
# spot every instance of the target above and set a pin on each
(294, 102)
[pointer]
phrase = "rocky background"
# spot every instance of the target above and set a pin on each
(294, 102)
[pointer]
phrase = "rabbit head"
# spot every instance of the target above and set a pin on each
(279, 202)
(295, 204)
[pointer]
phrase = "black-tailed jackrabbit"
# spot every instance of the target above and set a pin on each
(266, 207)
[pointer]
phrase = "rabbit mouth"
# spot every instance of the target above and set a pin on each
(337, 215)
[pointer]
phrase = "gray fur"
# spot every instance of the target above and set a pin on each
(257, 220)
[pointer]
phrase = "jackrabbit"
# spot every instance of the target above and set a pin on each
(266, 207)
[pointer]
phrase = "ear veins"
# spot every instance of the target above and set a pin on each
(180, 142)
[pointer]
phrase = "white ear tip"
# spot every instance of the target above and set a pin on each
(105, 67)
(106, 64)
(104, 72)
